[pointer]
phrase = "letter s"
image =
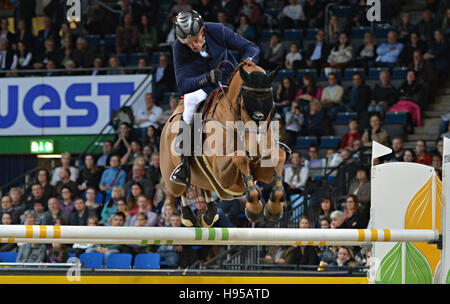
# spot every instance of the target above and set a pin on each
(81, 89)
(10, 118)
(53, 104)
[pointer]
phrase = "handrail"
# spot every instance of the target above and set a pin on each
(109, 9)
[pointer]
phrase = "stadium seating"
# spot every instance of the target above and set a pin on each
(358, 32)
(341, 11)
(344, 117)
(93, 40)
(8, 257)
(285, 73)
(109, 39)
(305, 142)
(293, 35)
(92, 260)
(119, 261)
(134, 58)
(266, 34)
(147, 261)
(399, 73)
(329, 142)
(348, 73)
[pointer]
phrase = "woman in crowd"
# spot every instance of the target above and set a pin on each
(22, 57)
(352, 215)
(66, 202)
(308, 92)
(294, 122)
(345, 257)
(293, 58)
(341, 53)
(361, 186)
(245, 29)
(147, 36)
(406, 56)
(422, 156)
(412, 90)
(110, 207)
(164, 218)
(325, 209)
(151, 138)
(136, 191)
(91, 204)
(18, 203)
(366, 53)
(409, 156)
(305, 255)
(90, 175)
(285, 94)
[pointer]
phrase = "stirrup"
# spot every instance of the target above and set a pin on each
(176, 178)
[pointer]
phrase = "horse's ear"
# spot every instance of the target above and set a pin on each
(272, 75)
(244, 75)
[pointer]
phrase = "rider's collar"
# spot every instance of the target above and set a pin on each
(205, 51)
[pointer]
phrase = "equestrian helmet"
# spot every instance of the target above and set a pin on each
(188, 24)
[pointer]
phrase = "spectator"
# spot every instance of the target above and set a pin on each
(361, 188)
(345, 257)
(80, 214)
(305, 255)
(134, 151)
(274, 54)
(384, 94)
(230, 7)
(50, 53)
(438, 52)
(147, 35)
(7, 207)
(358, 14)
(357, 96)
(446, 22)
(110, 207)
(66, 35)
(131, 202)
(439, 148)
(222, 17)
(65, 163)
(332, 96)
(151, 138)
(314, 13)
(50, 66)
(292, 16)
(353, 133)
(324, 222)
(405, 28)
(334, 28)
(150, 116)
(245, 29)
(113, 176)
(341, 54)
(90, 175)
(164, 218)
(66, 203)
(412, 90)
(164, 78)
(139, 177)
(58, 253)
(325, 210)
(43, 179)
(422, 156)
(38, 212)
(366, 53)
(6, 56)
(106, 153)
(296, 175)
(294, 122)
(122, 207)
(389, 52)
(123, 139)
(127, 36)
(154, 171)
(96, 20)
(144, 206)
(83, 56)
(22, 57)
(171, 253)
(54, 212)
(309, 91)
(6, 219)
(407, 53)
(64, 175)
(91, 204)
(293, 58)
(313, 124)
(280, 255)
(315, 164)
(37, 193)
(317, 53)
(252, 10)
(286, 93)
(338, 220)
(375, 132)
(115, 66)
(352, 214)
(31, 253)
(48, 32)
(18, 203)
(98, 65)
(426, 26)
(409, 156)
(200, 208)
(24, 35)
(397, 151)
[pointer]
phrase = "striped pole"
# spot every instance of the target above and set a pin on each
(210, 236)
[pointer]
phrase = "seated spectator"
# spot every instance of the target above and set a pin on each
(232, 210)
(113, 176)
(324, 222)
(332, 96)
(54, 212)
(293, 58)
(200, 208)
(131, 201)
(412, 90)
(280, 255)
(422, 156)
(409, 156)
(292, 16)
(407, 53)
(150, 116)
(252, 10)
(397, 151)
(90, 175)
(365, 55)
(338, 220)
(22, 57)
(325, 210)
(317, 53)
(164, 217)
(405, 28)
(92, 205)
(446, 22)
(171, 253)
(48, 32)
(274, 54)
(147, 35)
(315, 165)
(436, 163)
(31, 253)
(108, 249)
(173, 103)
(66, 202)
(151, 138)
(67, 52)
(127, 36)
(285, 94)
(353, 133)
(7, 207)
(439, 149)
(122, 207)
(110, 206)
(389, 52)
(107, 150)
(37, 211)
(144, 206)
(6, 219)
(294, 122)
(98, 65)
(64, 175)
(134, 151)
(296, 176)
(80, 214)
(83, 56)
(384, 94)
(375, 132)
(154, 171)
(305, 255)
(115, 67)
(341, 53)
(222, 17)
(438, 53)
(345, 257)
(58, 253)
(50, 53)
(309, 91)
(65, 163)
(18, 204)
(245, 29)
(313, 124)
(335, 27)
(314, 13)
(352, 214)
(164, 79)
(426, 26)
(139, 177)
(426, 75)
(358, 13)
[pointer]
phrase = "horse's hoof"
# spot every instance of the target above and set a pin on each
(208, 222)
(188, 218)
(272, 217)
(253, 217)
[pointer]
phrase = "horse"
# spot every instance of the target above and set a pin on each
(249, 99)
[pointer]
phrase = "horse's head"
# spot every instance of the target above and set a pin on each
(256, 90)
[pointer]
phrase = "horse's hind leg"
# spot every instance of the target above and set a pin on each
(253, 206)
(188, 218)
(210, 216)
(274, 208)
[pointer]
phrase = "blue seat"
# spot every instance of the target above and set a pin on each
(305, 142)
(273, 13)
(155, 58)
(93, 40)
(341, 11)
(284, 73)
(8, 257)
(72, 255)
(382, 32)
(374, 73)
(134, 58)
(119, 261)
(395, 117)
(147, 261)
(302, 72)
(265, 35)
(329, 142)
(109, 39)
(92, 260)
(331, 178)
(311, 33)
(292, 35)
(399, 73)
(122, 58)
(348, 73)
(358, 32)
(344, 117)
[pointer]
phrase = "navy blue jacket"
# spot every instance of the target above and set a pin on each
(191, 67)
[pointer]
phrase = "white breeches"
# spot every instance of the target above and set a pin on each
(191, 100)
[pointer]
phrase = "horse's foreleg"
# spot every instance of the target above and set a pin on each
(188, 218)
(253, 206)
(210, 216)
(274, 208)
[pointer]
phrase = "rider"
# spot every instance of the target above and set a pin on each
(197, 52)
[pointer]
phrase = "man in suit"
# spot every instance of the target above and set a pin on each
(50, 53)
(48, 32)
(317, 53)
(6, 55)
(83, 55)
(357, 96)
(164, 77)
(332, 96)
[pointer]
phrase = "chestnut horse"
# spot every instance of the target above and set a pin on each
(249, 101)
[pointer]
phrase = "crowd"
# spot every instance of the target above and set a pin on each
(122, 186)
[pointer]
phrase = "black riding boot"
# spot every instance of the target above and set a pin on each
(182, 173)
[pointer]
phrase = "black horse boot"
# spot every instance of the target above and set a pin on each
(182, 173)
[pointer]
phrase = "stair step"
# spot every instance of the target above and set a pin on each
(444, 106)
(443, 98)
(426, 137)
(444, 91)
(433, 114)
(431, 144)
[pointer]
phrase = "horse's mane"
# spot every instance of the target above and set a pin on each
(234, 73)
